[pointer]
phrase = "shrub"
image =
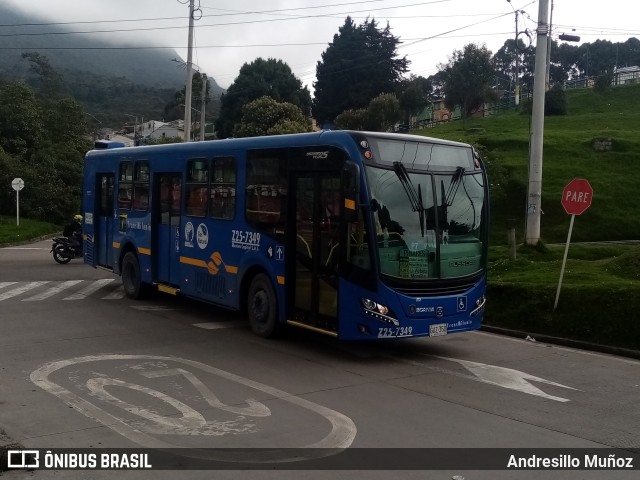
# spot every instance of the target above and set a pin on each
(555, 102)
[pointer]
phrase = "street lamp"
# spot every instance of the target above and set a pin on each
(95, 133)
(517, 75)
(201, 112)
(204, 80)
(135, 128)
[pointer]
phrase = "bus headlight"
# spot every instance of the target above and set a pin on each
(379, 311)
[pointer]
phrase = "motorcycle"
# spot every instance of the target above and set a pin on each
(64, 249)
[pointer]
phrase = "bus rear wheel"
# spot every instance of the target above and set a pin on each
(262, 307)
(131, 280)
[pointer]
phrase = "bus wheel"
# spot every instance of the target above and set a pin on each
(262, 307)
(131, 276)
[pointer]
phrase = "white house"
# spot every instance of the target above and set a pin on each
(162, 130)
(626, 75)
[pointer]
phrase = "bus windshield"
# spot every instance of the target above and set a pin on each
(429, 224)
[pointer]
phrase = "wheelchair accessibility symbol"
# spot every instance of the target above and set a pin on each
(462, 304)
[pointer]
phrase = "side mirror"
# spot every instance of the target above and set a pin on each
(351, 190)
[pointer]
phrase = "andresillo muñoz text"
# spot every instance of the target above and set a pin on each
(610, 461)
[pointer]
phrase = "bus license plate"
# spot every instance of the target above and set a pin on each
(388, 332)
(437, 330)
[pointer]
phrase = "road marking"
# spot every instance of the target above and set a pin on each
(342, 434)
(89, 289)
(151, 308)
(116, 294)
(52, 291)
(26, 248)
(493, 375)
(509, 378)
(6, 284)
(255, 408)
(217, 325)
(20, 290)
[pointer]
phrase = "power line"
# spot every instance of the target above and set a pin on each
(239, 12)
(454, 30)
(146, 29)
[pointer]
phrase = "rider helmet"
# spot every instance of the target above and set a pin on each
(77, 218)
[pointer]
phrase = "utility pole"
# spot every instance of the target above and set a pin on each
(517, 89)
(517, 54)
(534, 191)
(203, 77)
(189, 87)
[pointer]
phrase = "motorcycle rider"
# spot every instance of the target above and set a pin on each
(73, 232)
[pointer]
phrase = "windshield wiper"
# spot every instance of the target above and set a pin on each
(456, 180)
(415, 199)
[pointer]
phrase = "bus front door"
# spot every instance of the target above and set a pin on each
(166, 234)
(103, 221)
(314, 227)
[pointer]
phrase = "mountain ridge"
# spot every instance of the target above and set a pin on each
(71, 54)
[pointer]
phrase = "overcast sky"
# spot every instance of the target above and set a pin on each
(233, 32)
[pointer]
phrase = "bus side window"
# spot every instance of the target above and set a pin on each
(197, 187)
(266, 193)
(125, 185)
(358, 253)
(165, 193)
(223, 189)
(175, 193)
(141, 186)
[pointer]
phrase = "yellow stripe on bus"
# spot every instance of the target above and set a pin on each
(193, 261)
(116, 244)
(231, 269)
(144, 251)
(280, 280)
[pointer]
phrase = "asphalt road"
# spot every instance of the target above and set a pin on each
(81, 366)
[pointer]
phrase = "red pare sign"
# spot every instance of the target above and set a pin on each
(576, 196)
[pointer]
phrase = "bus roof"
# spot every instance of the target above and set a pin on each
(103, 144)
(275, 141)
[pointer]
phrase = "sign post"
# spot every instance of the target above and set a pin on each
(576, 198)
(17, 184)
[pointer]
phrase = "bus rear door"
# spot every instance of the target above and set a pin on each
(103, 223)
(312, 272)
(166, 228)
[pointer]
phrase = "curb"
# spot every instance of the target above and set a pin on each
(565, 342)
(31, 240)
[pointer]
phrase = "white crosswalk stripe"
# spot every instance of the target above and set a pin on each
(6, 284)
(89, 289)
(14, 292)
(218, 325)
(38, 291)
(52, 291)
(116, 294)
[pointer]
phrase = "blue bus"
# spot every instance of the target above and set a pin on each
(357, 235)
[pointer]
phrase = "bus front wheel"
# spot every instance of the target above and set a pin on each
(131, 276)
(262, 307)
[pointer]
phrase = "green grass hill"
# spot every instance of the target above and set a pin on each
(503, 140)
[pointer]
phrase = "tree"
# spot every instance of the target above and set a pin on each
(43, 141)
(353, 119)
(266, 116)
(382, 113)
(468, 79)
(21, 126)
(358, 65)
(414, 94)
(272, 78)
(174, 109)
(596, 58)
